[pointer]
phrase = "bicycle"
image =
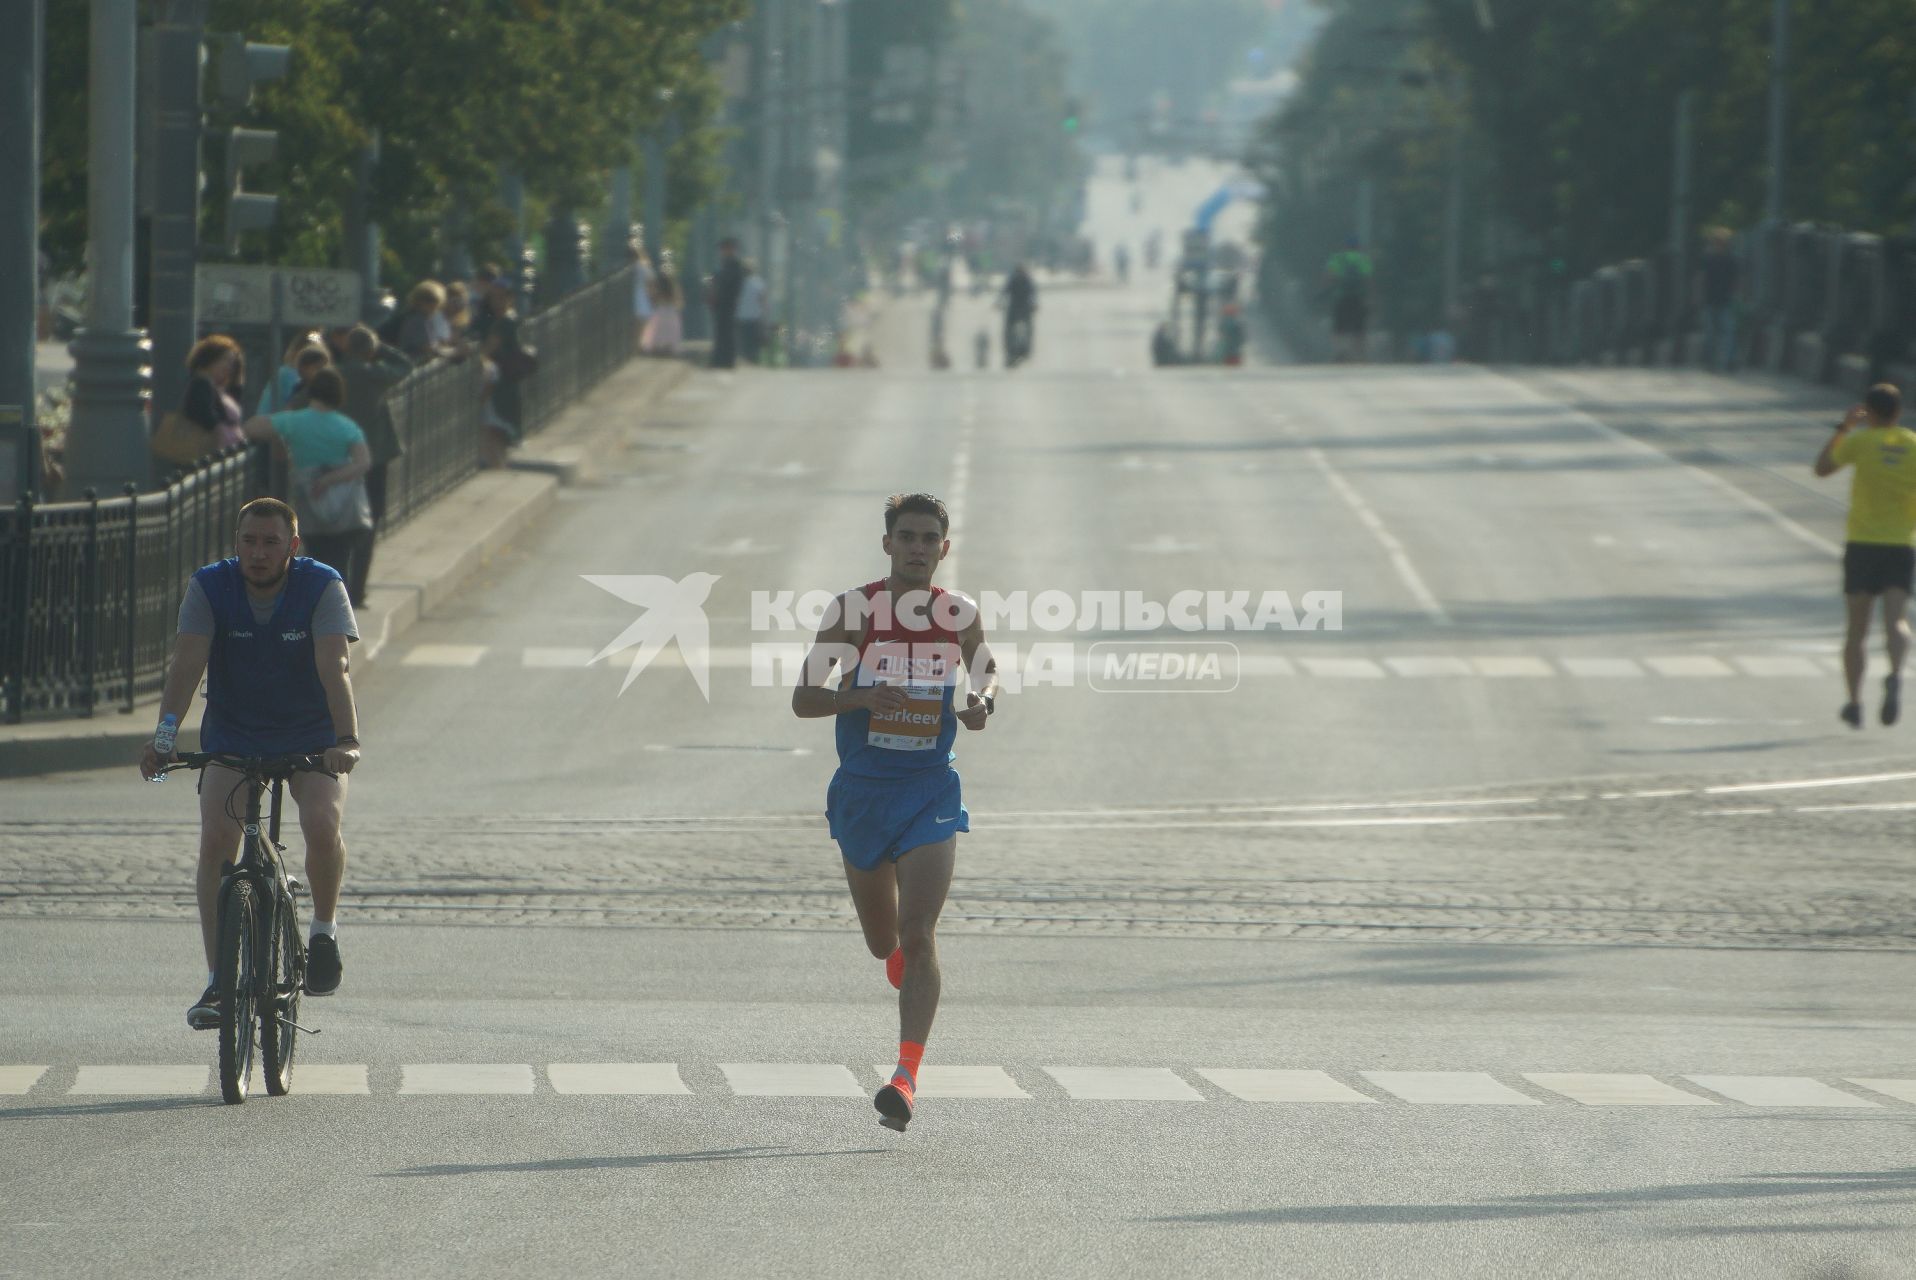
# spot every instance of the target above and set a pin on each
(260, 960)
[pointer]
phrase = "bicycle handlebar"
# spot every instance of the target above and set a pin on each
(264, 767)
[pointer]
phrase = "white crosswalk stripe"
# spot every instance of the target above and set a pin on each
(776, 656)
(1780, 1091)
(992, 1081)
(1615, 1090)
(1450, 1088)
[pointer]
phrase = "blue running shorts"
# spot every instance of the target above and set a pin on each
(875, 819)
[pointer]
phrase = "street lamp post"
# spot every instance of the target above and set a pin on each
(19, 250)
(107, 439)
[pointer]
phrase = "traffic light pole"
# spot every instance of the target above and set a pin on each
(19, 251)
(107, 439)
(175, 166)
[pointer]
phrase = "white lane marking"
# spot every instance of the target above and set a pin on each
(1427, 666)
(1343, 668)
(1900, 806)
(1512, 667)
(330, 1078)
(1615, 1090)
(956, 497)
(1694, 722)
(1399, 558)
(20, 1079)
(1901, 1090)
(144, 1080)
(1689, 666)
(791, 1080)
(1282, 1086)
(740, 547)
(945, 1080)
(1601, 668)
(464, 1077)
(1736, 813)
(1776, 666)
(1124, 1084)
(1709, 478)
(1805, 784)
(1429, 820)
(444, 655)
(1166, 544)
(1780, 1091)
(1264, 664)
(1450, 1088)
(1664, 793)
(556, 658)
(616, 1077)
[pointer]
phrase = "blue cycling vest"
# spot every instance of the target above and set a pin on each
(263, 695)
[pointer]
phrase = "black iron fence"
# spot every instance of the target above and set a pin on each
(90, 590)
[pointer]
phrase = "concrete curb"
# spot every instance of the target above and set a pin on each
(422, 565)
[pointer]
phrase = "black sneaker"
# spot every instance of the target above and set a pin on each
(205, 1013)
(322, 966)
(1851, 715)
(1892, 699)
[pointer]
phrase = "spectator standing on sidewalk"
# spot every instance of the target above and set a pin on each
(310, 360)
(458, 315)
(751, 313)
(278, 393)
(215, 387)
(424, 334)
(372, 370)
(506, 368)
(1718, 278)
(1879, 551)
(641, 289)
(726, 286)
(329, 460)
(665, 330)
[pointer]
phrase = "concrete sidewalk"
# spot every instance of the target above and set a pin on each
(414, 571)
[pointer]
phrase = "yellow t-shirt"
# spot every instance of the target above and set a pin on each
(1882, 497)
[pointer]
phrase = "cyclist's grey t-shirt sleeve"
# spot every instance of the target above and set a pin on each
(333, 615)
(196, 611)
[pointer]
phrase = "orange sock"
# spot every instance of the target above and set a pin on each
(910, 1054)
(895, 967)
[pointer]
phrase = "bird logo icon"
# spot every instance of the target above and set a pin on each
(674, 610)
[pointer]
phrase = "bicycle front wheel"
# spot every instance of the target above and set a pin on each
(279, 1008)
(239, 980)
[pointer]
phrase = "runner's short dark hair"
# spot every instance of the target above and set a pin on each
(919, 503)
(270, 507)
(1884, 401)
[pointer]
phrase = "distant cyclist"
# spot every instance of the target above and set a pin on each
(1879, 553)
(1020, 299)
(269, 629)
(895, 805)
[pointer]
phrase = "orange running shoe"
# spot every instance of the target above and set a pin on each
(895, 967)
(894, 1102)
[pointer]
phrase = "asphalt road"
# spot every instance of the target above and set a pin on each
(1539, 920)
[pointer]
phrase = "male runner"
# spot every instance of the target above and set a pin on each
(895, 805)
(1879, 555)
(269, 629)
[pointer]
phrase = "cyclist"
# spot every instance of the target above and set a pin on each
(1879, 552)
(269, 628)
(1347, 277)
(1020, 300)
(895, 805)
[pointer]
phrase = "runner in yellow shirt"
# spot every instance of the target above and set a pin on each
(1879, 554)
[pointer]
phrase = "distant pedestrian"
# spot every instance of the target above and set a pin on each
(665, 330)
(372, 370)
(458, 314)
(329, 460)
(278, 392)
(750, 313)
(311, 359)
(425, 334)
(1879, 552)
(1347, 279)
(1718, 281)
(726, 287)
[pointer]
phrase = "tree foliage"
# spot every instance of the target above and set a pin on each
(1564, 119)
(457, 92)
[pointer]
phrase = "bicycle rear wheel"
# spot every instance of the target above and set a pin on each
(238, 980)
(279, 1011)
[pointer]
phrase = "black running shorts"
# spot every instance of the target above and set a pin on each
(1871, 568)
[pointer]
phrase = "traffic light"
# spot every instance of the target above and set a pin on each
(236, 66)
